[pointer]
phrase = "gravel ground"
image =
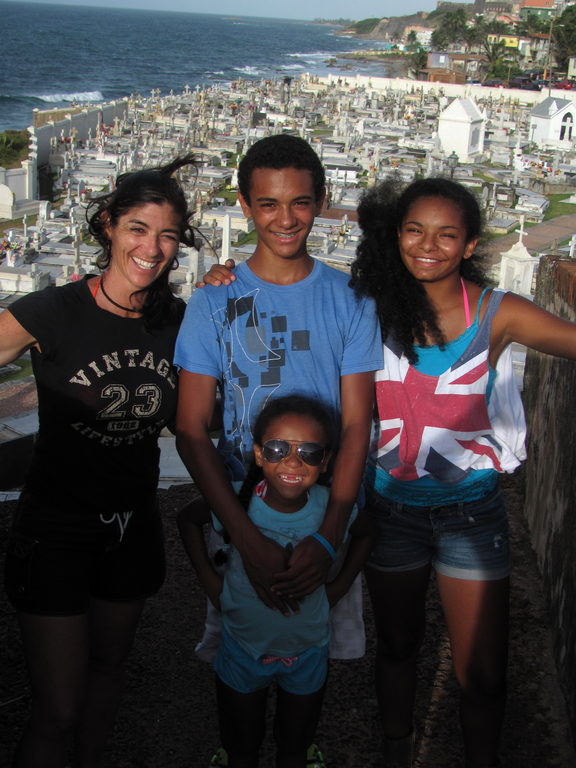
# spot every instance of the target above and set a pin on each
(17, 397)
(168, 716)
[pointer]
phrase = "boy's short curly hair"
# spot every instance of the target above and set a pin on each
(281, 151)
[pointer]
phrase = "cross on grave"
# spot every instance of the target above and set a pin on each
(521, 231)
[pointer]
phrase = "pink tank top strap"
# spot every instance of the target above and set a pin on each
(466, 303)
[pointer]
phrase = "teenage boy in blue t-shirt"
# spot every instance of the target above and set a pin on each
(284, 323)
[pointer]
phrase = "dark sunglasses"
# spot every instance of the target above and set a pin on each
(310, 453)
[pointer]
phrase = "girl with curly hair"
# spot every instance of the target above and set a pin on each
(450, 420)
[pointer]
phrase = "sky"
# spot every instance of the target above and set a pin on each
(295, 9)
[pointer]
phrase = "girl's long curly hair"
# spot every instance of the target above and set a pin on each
(403, 307)
(132, 190)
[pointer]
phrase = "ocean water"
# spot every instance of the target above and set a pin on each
(55, 55)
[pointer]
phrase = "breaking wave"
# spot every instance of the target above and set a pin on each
(78, 96)
(250, 71)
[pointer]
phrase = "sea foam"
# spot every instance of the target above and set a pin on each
(250, 71)
(79, 96)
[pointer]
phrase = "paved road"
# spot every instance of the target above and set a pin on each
(168, 715)
(540, 237)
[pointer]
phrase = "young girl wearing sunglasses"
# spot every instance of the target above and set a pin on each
(292, 446)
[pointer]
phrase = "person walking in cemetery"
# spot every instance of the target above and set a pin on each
(292, 440)
(86, 547)
(450, 420)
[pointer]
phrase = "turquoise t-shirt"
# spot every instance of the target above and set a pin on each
(259, 629)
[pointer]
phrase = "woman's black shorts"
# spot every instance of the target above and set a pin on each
(61, 554)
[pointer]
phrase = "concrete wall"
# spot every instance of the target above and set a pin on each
(18, 190)
(87, 120)
(23, 182)
(550, 384)
(452, 90)
(16, 180)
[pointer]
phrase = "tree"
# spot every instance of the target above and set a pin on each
(532, 24)
(439, 39)
(412, 40)
(365, 26)
(501, 59)
(418, 60)
(471, 37)
(451, 29)
(564, 37)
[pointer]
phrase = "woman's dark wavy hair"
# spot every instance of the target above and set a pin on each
(402, 304)
(310, 408)
(151, 185)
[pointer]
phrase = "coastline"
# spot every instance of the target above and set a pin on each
(397, 64)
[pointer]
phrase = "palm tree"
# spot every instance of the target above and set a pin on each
(440, 39)
(471, 37)
(451, 29)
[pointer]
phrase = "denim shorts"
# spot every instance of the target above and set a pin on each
(301, 675)
(463, 540)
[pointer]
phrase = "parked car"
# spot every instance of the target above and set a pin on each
(531, 85)
(494, 83)
(566, 85)
(523, 82)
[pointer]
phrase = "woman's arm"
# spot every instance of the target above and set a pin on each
(14, 339)
(362, 533)
(522, 321)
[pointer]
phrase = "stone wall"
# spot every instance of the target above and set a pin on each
(452, 90)
(83, 123)
(550, 387)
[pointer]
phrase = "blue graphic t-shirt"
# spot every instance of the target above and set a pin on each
(262, 340)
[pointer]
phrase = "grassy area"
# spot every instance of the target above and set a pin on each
(229, 194)
(25, 370)
(365, 26)
(557, 207)
(13, 148)
(248, 238)
(9, 224)
(485, 177)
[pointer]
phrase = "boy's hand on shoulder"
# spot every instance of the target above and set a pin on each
(308, 569)
(219, 274)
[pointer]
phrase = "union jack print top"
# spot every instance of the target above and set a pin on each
(445, 426)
